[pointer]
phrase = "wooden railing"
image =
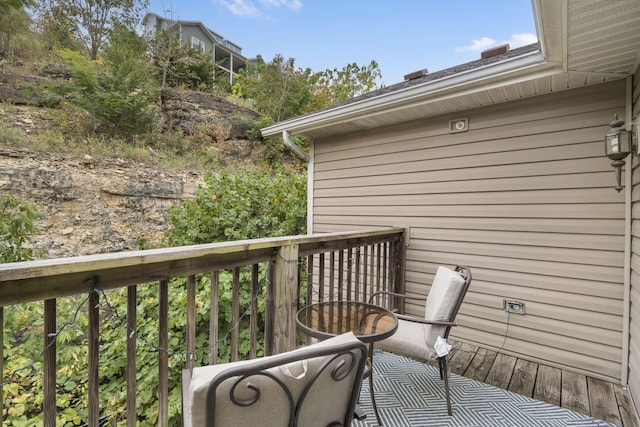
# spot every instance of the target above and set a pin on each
(295, 270)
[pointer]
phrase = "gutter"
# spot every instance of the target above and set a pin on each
(286, 137)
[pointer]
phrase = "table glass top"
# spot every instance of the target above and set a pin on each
(368, 322)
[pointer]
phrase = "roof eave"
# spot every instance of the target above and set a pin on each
(528, 66)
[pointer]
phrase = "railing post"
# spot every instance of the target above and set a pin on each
(132, 293)
(163, 355)
(400, 268)
(285, 296)
(1, 358)
(269, 310)
(94, 357)
(49, 403)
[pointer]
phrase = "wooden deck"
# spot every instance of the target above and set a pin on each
(579, 393)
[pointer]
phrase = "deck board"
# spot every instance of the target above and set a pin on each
(523, 379)
(480, 365)
(548, 385)
(590, 396)
(627, 415)
(501, 371)
(575, 394)
(602, 399)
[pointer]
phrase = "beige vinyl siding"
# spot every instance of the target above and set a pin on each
(634, 325)
(525, 198)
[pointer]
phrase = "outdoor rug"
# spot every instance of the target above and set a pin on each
(410, 393)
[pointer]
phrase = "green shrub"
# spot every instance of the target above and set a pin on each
(17, 225)
(241, 206)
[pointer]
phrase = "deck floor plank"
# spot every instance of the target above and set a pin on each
(523, 380)
(501, 371)
(461, 357)
(548, 385)
(577, 392)
(602, 400)
(575, 395)
(625, 406)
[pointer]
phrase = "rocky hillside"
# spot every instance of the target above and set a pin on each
(98, 205)
(94, 206)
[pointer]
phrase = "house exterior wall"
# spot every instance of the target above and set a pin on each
(524, 198)
(188, 31)
(634, 324)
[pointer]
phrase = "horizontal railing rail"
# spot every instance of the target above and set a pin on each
(284, 272)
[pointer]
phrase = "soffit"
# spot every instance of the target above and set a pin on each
(603, 36)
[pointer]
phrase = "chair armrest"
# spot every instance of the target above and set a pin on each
(424, 321)
(395, 294)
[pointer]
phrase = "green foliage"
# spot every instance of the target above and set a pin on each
(17, 225)
(278, 89)
(90, 22)
(241, 206)
(254, 132)
(23, 395)
(120, 93)
(177, 65)
(7, 5)
(14, 21)
(333, 86)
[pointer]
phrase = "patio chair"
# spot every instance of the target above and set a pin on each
(317, 385)
(416, 337)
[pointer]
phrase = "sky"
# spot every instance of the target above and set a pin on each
(402, 36)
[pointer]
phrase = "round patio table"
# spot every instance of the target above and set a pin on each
(369, 322)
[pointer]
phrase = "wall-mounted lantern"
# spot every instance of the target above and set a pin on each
(618, 143)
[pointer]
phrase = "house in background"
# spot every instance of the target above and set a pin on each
(226, 54)
(499, 165)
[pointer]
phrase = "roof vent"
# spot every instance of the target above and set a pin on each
(498, 50)
(416, 74)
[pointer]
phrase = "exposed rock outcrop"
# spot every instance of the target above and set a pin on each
(211, 117)
(94, 206)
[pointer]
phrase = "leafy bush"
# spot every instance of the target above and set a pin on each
(178, 65)
(120, 93)
(17, 225)
(241, 206)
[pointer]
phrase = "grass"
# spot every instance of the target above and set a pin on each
(69, 130)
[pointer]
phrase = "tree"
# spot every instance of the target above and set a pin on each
(17, 225)
(13, 21)
(178, 65)
(6, 5)
(278, 89)
(91, 21)
(334, 86)
(119, 92)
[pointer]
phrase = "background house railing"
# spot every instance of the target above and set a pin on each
(286, 273)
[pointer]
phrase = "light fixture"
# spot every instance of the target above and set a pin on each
(618, 143)
(459, 125)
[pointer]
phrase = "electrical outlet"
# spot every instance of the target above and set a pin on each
(511, 306)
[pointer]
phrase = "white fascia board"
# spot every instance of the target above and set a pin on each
(521, 68)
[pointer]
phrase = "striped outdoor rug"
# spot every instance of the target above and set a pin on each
(410, 393)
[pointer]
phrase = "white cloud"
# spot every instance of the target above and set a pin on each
(480, 44)
(289, 4)
(484, 43)
(253, 9)
(522, 39)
